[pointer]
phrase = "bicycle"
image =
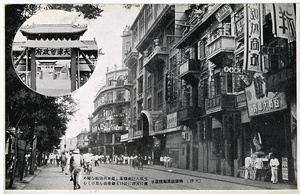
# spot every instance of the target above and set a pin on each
(75, 180)
(87, 168)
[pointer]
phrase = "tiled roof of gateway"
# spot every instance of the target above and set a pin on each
(53, 28)
(91, 45)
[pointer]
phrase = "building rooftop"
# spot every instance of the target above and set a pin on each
(53, 29)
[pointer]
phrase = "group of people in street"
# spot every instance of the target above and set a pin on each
(129, 160)
(255, 168)
(75, 163)
(166, 161)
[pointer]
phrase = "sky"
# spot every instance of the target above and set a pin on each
(107, 31)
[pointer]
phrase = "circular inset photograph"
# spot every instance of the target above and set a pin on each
(55, 52)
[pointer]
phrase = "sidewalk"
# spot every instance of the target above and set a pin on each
(19, 185)
(230, 179)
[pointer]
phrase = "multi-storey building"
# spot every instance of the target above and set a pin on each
(212, 82)
(155, 85)
(247, 109)
(68, 144)
(82, 141)
(111, 115)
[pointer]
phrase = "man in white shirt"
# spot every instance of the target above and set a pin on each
(274, 163)
(247, 166)
(87, 158)
(75, 164)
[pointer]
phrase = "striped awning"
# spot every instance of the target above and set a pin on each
(54, 44)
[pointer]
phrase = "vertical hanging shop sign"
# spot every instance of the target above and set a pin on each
(284, 20)
(253, 33)
(285, 169)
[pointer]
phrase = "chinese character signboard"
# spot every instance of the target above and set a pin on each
(260, 101)
(53, 52)
(253, 38)
(284, 21)
(285, 169)
(239, 23)
(172, 120)
(224, 12)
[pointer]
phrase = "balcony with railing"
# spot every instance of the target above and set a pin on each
(221, 47)
(131, 57)
(189, 68)
(121, 99)
(188, 113)
(158, 55)
(219, 103)
(128, 84)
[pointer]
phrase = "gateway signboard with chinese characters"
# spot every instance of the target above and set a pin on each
(260, 101)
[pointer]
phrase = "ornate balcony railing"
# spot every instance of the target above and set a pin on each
(156, 57)
(221, 48)
(219, 103)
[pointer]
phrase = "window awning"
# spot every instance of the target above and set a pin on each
(54, 44)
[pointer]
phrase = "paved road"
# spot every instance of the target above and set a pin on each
(124, 177)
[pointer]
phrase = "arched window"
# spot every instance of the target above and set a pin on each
(120, 80)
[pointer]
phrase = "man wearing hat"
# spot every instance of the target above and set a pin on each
(75, 165)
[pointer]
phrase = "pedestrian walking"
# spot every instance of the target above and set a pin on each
(57, 157)
(46, 158)
(96, 159)
(68, 156)
(51, 157)
(75, 164)
(63, 161)
(274, 163)
(70, 166)
(165, 161)
(161, 160)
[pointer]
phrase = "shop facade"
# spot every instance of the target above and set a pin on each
(219, 93)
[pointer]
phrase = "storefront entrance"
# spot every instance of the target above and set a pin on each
(273, 134)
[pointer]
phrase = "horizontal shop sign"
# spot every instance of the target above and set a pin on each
(167, 130)
(260, 101)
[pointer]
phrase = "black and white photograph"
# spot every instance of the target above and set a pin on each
(151, 96)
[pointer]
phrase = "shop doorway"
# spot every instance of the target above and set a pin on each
(174, 154)
(274, 132)
(195, 157)
(188, 155)
(218, 143)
